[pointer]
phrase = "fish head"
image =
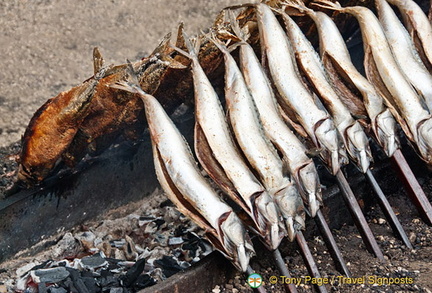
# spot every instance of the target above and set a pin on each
(267, 215)
(309, 186)
(424, 145)
(236, 242)
(329, 140)
(358, 146)
(386, 132)
(291, 207)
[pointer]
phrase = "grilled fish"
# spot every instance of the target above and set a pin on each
(419, 27)
(309, 64)
(294, 94)
(258, 150)
(298, 164)
(184, 185)
(404, 52)
(357, 93)
(217, 153)
(384, 72)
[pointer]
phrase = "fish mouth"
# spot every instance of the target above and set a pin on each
(291, 206)
(386, 132)
(236, 242)
(268, 217)
(310, 190)
(424, 140)
(358, 146)
(332, 151)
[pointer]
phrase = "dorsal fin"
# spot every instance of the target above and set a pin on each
(98, 61)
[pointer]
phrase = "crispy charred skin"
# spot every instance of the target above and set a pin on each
(111, 113)
(51, 130)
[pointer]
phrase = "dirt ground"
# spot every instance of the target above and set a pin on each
(46, 45)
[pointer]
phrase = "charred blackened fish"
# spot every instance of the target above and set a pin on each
(280, 60)
(184, 185)
(404, 52)
(356, 92)
(309, 64)
(384, 72)
(221, 159)
(39, 155)
(258, 150)
(419, 27)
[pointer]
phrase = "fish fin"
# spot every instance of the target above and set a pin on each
(295, 7)
(98, 60)
(326, 4)
(243, 35)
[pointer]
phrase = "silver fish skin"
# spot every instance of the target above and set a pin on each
(299, 165)
(315, 121)
(182, 181)
(256, 147)
(332, 45)
(413, 118)
(419, 26)
(404, 51)
(353, 135)
(211, 119)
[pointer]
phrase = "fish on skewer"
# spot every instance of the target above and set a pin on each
(294, 95)
(404, 52)
(38, 157)
(419, 27)
(356, 92)
(310, 66)
(384, 72)
(261, 155)
(298, 164)
(219, 156)
(184, 185)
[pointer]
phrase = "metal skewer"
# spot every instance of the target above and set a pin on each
(412, 186)
(250, 271)
(284, 270)
(387, 210)
(310, 262)
(357, 214)
(331, 244)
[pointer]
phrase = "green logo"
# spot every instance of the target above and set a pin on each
(254, 280)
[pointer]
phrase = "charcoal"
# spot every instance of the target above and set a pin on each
(108, 282)
(175, 240)
(145, 220)
(159, 222)
(57, 290)
(78, 283)
(133, 273)
(53, 275)
(42, 288)
(116, 290)
(143, 281)
(169, 265)
(94, 261)
(118, 243)
(90, 284)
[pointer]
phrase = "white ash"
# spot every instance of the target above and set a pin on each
(151, 229)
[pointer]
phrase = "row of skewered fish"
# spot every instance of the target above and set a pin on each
(239, 150)
(250, 151)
